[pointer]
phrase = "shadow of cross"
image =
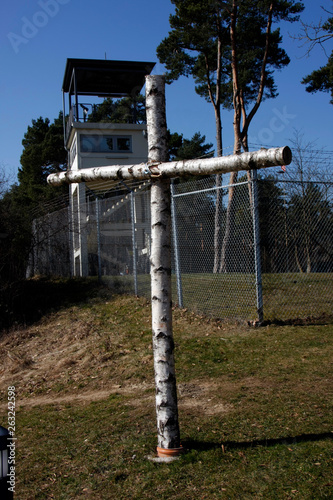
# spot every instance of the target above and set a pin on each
(159, 171)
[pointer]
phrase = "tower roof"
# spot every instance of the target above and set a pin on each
(104, 78)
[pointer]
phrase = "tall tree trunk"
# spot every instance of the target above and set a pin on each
(308, 259)
(307, 222)
(219, 148)
(241, 133)
(163, 344)
(218, 206)
(308, 252)
(225, 251)
(298, 263)
(229, 224)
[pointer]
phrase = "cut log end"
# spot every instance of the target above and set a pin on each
(287, 155)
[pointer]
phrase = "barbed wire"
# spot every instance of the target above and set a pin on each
(110, 188)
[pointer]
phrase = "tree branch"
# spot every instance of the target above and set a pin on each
(235, 81)
(263, 71)
(315, 35)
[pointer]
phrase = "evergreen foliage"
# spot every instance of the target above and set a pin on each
(126, 110)
(321, 80)
(229, 49)
(232, 51)
(43, 154)
(194, 148)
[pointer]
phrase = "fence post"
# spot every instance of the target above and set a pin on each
(135, 272)
(71, 232)
(256, 243)
(163, 345)
(98, 230)
(175, 246)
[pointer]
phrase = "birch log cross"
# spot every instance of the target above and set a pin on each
(160, 172)
(160, 269)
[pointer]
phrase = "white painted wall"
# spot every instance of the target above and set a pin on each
(81, 160)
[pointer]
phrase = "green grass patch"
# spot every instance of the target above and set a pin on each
(100, 451)
(255, 406)
(286, 296)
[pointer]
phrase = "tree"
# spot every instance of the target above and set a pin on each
(321, 79)
(255, 54)
(194, 148)
(43, 153)
(187, 149)
(195, 47)
(175, 142)
(15, 228)
(308, 210)
(3, 221)
(310, 216)
(310, 163)
(230, 49)
(126, 110)
(273, 230)
(4, 181)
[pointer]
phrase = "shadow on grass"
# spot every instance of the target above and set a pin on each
(24, 302)
(322, 319)
(190, 444)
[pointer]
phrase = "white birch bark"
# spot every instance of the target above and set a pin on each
(160, 172)
(263, 158)
(163, 345)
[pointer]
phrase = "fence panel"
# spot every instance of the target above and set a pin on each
(296, 246)
(122, 250)
(230, 292)
(50, 252)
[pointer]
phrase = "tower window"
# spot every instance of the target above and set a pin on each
(94, 143)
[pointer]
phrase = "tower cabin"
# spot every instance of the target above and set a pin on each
(94, 144)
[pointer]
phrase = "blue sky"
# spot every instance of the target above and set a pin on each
(37, 36)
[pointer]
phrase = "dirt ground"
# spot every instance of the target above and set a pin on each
(58, 361)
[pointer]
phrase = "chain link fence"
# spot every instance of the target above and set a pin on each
(50, 247)
(214, 247)
(297, 248)
(124, 235)
(227, 294)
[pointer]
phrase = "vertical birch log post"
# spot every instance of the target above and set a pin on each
(163, 345)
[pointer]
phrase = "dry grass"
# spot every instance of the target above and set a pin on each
(255, 406)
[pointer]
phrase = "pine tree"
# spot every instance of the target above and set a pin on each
(231, 50)
(43, 153)
(320, 80)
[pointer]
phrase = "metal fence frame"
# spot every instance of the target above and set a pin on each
(255, 284)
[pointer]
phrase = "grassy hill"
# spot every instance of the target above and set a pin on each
(255, 404)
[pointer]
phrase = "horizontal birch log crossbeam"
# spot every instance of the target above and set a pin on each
(233, 163)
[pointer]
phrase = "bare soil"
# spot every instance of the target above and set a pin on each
(64, 359)
(83, 355)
